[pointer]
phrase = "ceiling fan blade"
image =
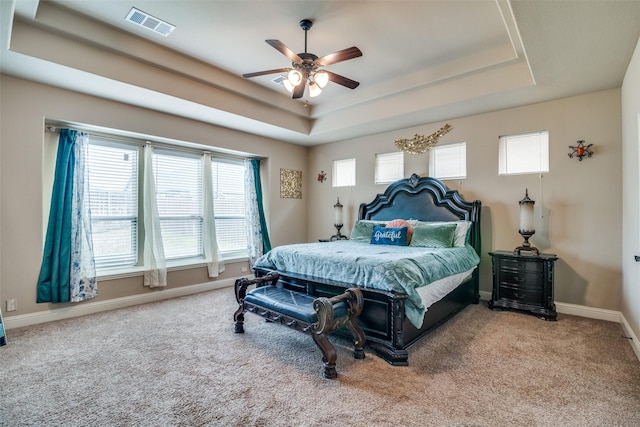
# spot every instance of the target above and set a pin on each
(299, 90)
(282, 48)
(341, 55)
(262, 73)
(341, 80)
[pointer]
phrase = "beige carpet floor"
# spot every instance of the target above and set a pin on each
(178, 363)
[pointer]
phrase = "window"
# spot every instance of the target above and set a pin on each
(116, 192)
(179, 196)
(113, 192)
(229, 207)
(389, 167)
(448, 161)
(524, 153)
(344, 172)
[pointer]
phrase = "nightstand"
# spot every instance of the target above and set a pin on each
(523, 283)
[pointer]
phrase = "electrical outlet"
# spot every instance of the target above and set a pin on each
(244, 269)
(11, 305)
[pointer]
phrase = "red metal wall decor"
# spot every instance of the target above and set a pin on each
(322, 176)
(580, 150)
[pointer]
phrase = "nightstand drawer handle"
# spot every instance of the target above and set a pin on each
(519, 296)
(520, 279)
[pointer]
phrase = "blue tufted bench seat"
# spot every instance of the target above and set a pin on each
(317, 317)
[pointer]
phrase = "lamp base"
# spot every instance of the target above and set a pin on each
(338, 236)
(526, 246)
(531, 249)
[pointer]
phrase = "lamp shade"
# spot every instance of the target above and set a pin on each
(314, 90)
(337, 213)
(526, 213)
(295, 77)
(321, 78)
(287, 84)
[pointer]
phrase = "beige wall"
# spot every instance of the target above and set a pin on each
(578, 204)
(581, 202)
(26, 105)
(631, 191)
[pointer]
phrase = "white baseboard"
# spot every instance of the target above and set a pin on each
(592, 313)
(575, 310)
(112, 304)
(635, 344)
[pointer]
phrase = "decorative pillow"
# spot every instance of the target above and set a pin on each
(389, 236)
(397, 223)
(462, 233)
(434, 235)
(363, 230)
(462, 230)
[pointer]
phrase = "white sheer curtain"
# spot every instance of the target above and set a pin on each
(215, 265)
(254, 232)
(155, 274)
(82, 281)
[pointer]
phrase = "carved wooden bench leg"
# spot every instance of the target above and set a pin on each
(329, 355)
(240, 288)
(356, 303)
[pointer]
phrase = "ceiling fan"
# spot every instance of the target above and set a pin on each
(308, 68)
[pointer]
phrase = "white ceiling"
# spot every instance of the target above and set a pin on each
(423, 61)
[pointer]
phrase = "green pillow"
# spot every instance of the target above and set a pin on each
(433, 235)
(363, 230)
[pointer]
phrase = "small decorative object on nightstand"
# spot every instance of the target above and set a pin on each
(523, 282)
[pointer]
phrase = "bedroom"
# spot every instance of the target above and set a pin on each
(591, 205)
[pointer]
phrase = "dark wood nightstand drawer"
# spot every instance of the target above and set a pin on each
(526, 296)
(524, 280)
(519, 265)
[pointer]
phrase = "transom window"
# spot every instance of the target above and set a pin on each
(524, 153)
(448, 161)
(389, 167)
(344, 173)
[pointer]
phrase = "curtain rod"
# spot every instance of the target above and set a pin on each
(140, 141)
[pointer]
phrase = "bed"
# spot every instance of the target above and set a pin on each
(392, 316)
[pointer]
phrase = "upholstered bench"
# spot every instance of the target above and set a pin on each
(317, 317)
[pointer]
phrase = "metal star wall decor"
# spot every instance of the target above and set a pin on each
(580, 150)
(422, 143)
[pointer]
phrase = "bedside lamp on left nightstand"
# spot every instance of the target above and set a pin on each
(337, 221)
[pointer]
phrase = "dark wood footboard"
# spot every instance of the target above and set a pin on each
(388, 332)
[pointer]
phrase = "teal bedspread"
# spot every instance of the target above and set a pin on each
(391, 268)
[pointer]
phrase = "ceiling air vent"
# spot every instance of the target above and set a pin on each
(279, 80)
(149, 22)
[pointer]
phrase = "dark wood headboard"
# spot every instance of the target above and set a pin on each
(424, 199)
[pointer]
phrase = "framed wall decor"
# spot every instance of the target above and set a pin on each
(290, 184)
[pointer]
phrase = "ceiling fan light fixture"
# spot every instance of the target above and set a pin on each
(287, 84)
(321, 78)
(295, 77)
(314, 90)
